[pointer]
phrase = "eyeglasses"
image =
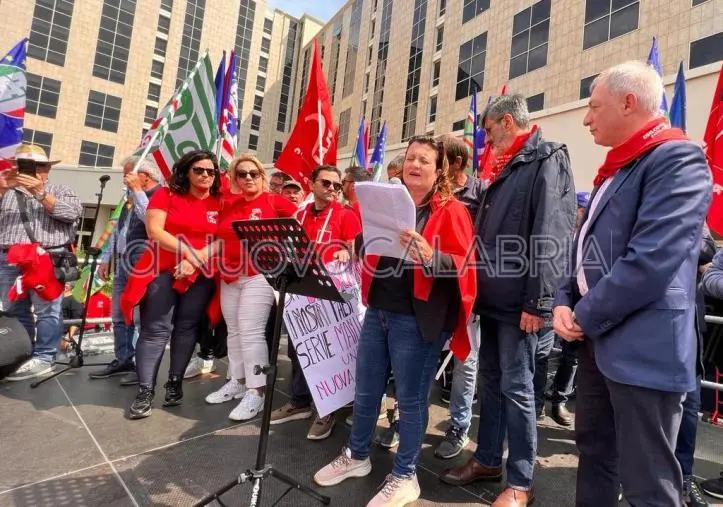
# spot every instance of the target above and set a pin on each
(328, 184)
(198, 171)
(242, 175)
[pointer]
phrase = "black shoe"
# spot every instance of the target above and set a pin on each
(113, 369)
(131, 379)
(692, 494)
(713, 487)
(143, 403)
(388, 438)
(454, 442)
(561, 415)
(174, 391)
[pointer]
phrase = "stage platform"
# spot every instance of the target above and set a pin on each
(70, 443)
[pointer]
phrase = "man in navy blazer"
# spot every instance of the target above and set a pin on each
(629, 296)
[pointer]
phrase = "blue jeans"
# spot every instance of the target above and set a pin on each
(124, 336)
(563, 385)
(507, 401)
(464, 381)
(47, 320)
(685, 446)
(542, 359)
(394, 338)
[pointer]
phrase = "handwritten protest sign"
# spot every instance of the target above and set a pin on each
(325, 335)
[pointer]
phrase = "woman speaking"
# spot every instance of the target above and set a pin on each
(412, 309)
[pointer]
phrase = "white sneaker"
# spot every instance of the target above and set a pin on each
(30, 369)
(396, 492)
(250, 406)
(343, 467)
(198, 366)
(230, 390)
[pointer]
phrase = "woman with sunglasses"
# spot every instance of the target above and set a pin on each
(181, 222)
(413, 306)
(246, 296)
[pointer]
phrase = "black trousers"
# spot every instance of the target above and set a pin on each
(625, 434)
(166, 314)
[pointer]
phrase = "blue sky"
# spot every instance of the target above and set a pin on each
(322, 10)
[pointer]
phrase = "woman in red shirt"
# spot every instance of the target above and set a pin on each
(181, 222)
(246, 296)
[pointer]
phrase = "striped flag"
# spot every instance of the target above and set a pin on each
(228, 125)
(12, 102)
(359, 158)
(470, 129)
(377, 160)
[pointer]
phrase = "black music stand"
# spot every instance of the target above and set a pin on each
(281, 251)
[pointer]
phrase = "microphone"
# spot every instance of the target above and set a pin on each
(395, 181)
(103, 180)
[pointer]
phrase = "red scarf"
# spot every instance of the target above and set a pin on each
(654, 133)
(499, 162)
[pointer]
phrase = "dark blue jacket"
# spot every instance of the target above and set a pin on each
(524, 227)
(640, 260)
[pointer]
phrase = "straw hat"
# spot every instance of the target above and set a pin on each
(33, 152)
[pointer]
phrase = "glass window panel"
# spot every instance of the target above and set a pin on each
(520, 44)
(706, 50)
(624, 21)
(539, 34)
(465, 51)
(619, 4)
(537, 58)
(595, 9)
(596, 33)
(518, 66)
(462, 90)
(540, 11)
(521, 21)
(480, 43)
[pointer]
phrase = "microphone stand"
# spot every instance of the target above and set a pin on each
(92, 255)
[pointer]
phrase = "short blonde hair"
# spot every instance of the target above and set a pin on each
(247, 157)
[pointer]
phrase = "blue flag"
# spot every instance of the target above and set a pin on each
(219, 83)
(360, 150)
(654, 61)
(678, 105)
(13, 85)
(377, 160)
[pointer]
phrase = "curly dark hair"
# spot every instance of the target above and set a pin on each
(180, 183)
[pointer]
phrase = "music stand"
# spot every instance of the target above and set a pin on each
(281, 251)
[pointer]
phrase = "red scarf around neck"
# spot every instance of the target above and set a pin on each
(499, 162)
(654, 133)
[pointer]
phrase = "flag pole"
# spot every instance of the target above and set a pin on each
(321, 132)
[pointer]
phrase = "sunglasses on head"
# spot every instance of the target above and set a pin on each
(328, 184)
(242, 175)
(198, 171)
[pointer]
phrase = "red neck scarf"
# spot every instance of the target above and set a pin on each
(651, 135)
(499, 162)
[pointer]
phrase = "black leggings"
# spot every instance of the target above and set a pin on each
(167, 314)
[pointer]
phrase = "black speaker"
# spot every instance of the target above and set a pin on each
(15, 345)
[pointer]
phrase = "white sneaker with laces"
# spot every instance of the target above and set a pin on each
(198, 366)
(396, 492)
(343, 467)
(30, 369)
(251, 405)
(233, 389)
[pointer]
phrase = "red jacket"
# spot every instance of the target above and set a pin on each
(36, 272)
(450, 224)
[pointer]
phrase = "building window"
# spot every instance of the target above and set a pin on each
(536, 102)
(344, 121)
(381, 71)
(191, 39)
(440, 39)
(42, 139)
(157, 69)
(278, 148)
(287, 93)
(151, 114)
(96, 155)
(436, 71)
(335, 50)
(366, 82)
(167, 5)
(154, 92)
(263, 64)
(458, 125)
(160, 47)
(706, 50)
(585, 86)
(114, 40)
(268, 25)
(698, 2)
(164, 24)
(352, 49)
(260, 83)
(242, 45)
(432, 110)
(414, 70)
(42, 95)
(258, 103)
(84, 234)
(49, 30)
(103, 111)
(265, 45)
(530, 34)
(605, 21)
(253, 142)
(364, 107)
(370, 54)
(441, 7)
(471, 70)
(255, 122)
(472, 8)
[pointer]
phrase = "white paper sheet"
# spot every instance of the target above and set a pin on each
(386, 211)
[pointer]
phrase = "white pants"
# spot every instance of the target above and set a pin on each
(246, 305)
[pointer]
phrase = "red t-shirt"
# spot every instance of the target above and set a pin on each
(333, 224)
(265, 206)
(194, 219)
(354, 208)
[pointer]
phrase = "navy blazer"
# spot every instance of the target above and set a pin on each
(640, 257)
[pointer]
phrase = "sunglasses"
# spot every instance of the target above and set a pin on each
(198, 171)
(242, 175)
(328, 184)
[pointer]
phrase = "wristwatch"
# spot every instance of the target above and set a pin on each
(41, 197)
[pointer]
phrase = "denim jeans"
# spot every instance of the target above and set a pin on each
(507, 401)
(542, 359)
(47, 320)
(563, 384)
(464, 381)
(685, 446)
(394, 338)
(124, 336)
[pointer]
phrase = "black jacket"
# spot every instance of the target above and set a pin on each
(524, 227)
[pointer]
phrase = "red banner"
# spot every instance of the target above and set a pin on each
(713, 146)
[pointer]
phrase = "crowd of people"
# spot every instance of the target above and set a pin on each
(617, 275)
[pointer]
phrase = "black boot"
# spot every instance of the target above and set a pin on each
(143, 403)
(561, 415)
(174, 391)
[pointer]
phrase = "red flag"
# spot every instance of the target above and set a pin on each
(366, 145)
(312, 141)
(713, 146)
